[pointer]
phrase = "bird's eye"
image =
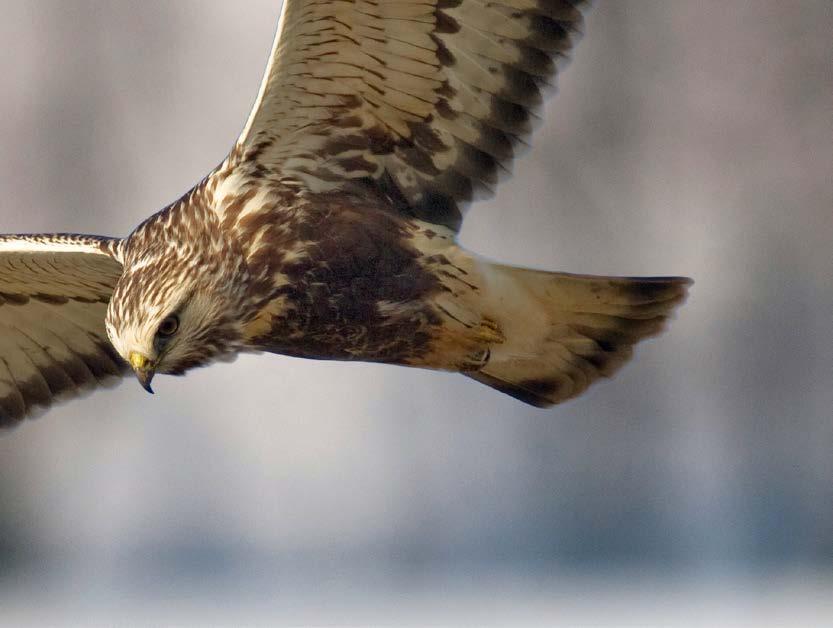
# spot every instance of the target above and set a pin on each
(168, 326)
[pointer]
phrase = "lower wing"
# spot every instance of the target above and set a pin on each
(54, 291)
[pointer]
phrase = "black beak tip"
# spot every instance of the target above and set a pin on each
(145, 379)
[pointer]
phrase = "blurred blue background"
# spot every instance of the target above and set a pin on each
(695, 488)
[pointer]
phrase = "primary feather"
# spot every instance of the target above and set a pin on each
(54, 291)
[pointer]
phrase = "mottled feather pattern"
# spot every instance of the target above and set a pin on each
(429, 98)
(335, 276)
(182, 254)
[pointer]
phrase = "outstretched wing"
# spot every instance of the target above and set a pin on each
(54, 291)
(425, 98)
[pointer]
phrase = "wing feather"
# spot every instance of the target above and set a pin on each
(430, 97)
(54, 291)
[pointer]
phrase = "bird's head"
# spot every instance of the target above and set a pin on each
(176, 307)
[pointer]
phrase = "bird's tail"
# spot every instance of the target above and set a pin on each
(563, 331)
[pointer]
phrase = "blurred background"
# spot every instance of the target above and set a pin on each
(695, 488)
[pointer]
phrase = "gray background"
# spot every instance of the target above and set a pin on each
(688, 138)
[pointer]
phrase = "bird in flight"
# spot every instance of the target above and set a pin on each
(329, 231)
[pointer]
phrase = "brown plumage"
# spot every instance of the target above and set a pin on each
(329, 231)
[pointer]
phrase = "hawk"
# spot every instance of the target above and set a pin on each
(329, 231)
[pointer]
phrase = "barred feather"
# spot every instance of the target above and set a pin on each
(426, 98)
(54, 291)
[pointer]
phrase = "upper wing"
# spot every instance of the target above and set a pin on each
(425, 97)
(54, 291)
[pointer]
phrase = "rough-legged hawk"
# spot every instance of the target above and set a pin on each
(329, 231)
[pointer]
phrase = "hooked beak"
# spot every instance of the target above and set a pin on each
(143, 367)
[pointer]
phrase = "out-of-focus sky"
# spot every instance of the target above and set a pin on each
(690, 138)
